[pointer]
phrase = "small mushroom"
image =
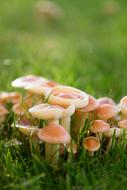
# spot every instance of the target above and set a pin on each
(122, 124)
(123, 106)
(53, 135)
(112, 133)
(12, 97)
(106, 111)
(106, 100)
(91, 144)
(98, 127)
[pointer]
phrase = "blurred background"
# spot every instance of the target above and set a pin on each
(78, 42)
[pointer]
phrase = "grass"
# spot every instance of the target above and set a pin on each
(86, 49)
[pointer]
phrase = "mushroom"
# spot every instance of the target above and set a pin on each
(82, 113)
(106, 100)
(47, 112)
(24, 81)
(41, 89)
(122, 124)
(123, 107)
(53, 135)
(91, 144)
(98, 127)
(12, 97)
(31, 132)
(27, 129)
(18, 109)
(106, 111)
(49, 10)
(65, 96)
(112, 133)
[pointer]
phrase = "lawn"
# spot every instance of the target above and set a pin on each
(86, 48)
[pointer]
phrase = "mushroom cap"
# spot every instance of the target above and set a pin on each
(123, 105)
(106, 111)
(65, 96)
(122, 124)
(91, 106)
(46, 111)
(114, 131)
(54, 134)
(91, 143)
(106, 100)
(38, 89)
(99, 126)
(27, 80)
(27, 130)
(18, 109)
(13, 97)
(41, 89)
(3, 111)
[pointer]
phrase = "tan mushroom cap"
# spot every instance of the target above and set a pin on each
(91, 143)
(114, 131)
(106, 111)
(123, 105)
(65, 96)
(46, 111)
(3, 111)
(28, 80)
(122, 124)
(106, 100)
(91, 106)
(99, 126)
(54, 134)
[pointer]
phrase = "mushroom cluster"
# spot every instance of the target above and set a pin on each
(64, 119)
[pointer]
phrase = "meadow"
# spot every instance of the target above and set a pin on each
(86, 48)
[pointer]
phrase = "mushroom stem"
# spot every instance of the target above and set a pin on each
(52, 153)
(53, 121)
(78, 122)
(65, 122)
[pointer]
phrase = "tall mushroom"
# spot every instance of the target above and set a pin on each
(65, 96)
(83, 113)
(53, 135)
(47, 112)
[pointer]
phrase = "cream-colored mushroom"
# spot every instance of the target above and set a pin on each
(47, 112)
